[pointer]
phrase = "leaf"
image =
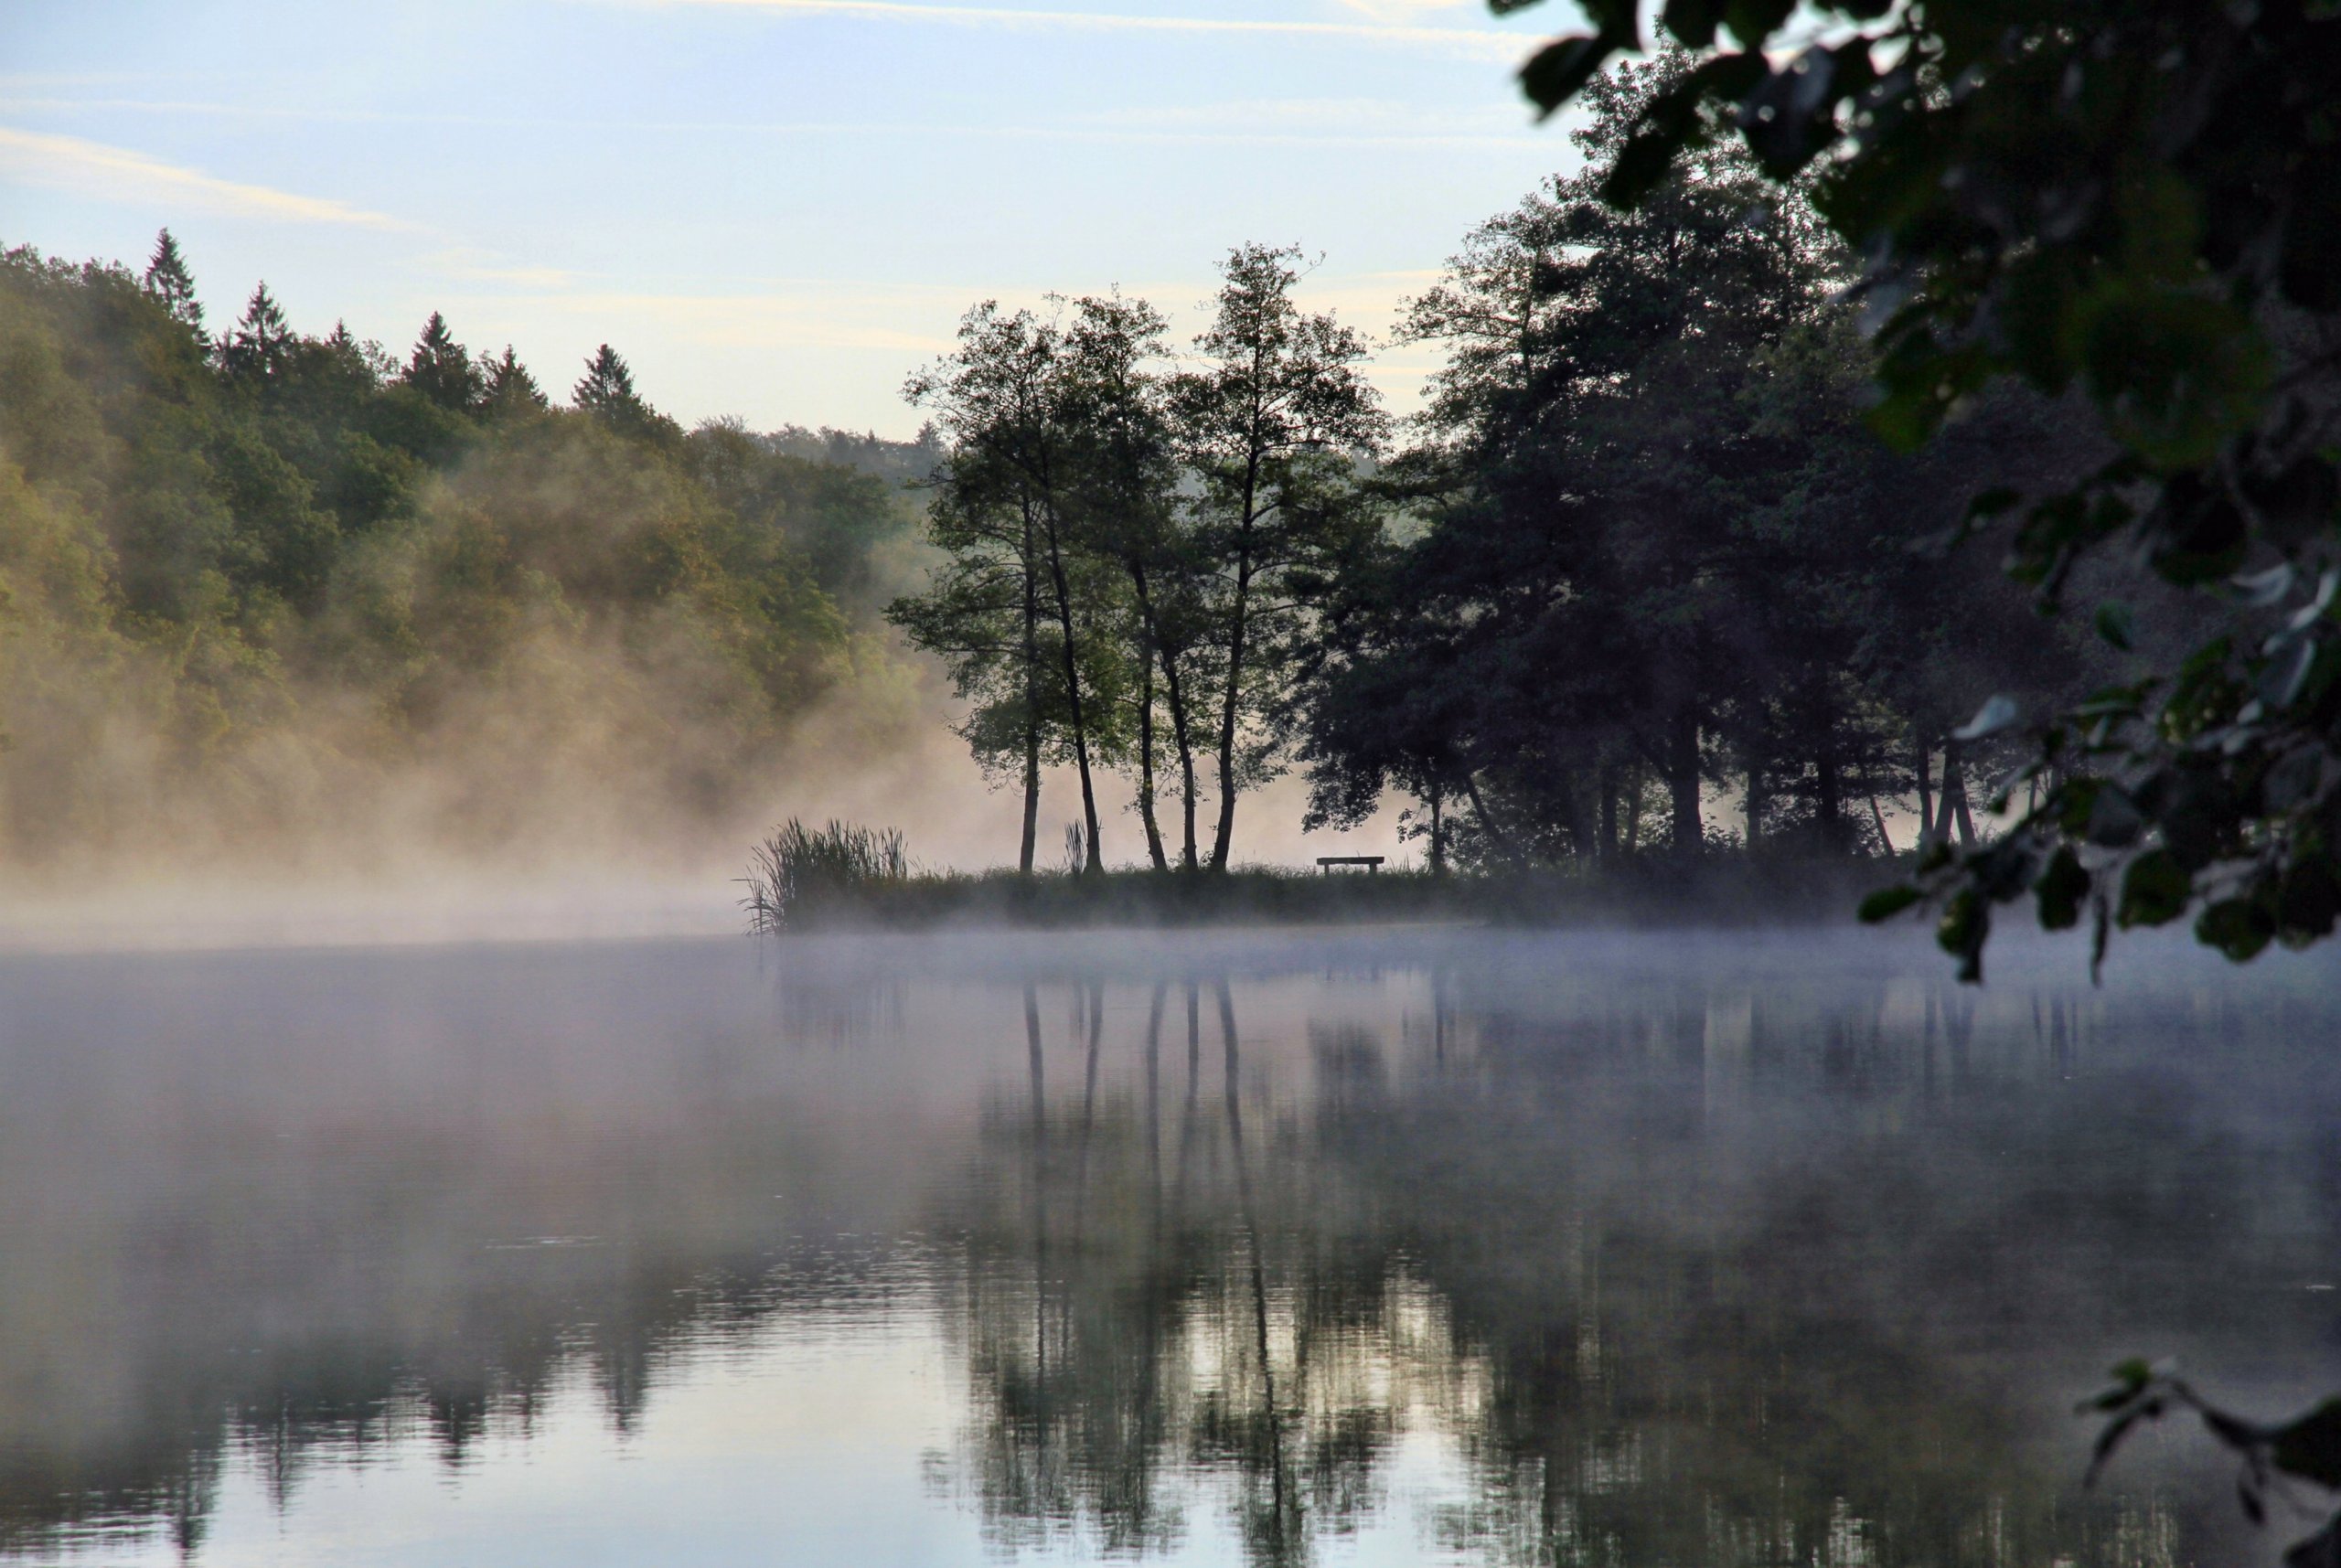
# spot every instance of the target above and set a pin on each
(2062, 886)
(1888, 902)
(2310, 1447)
(2154, 891)
(1555, 73)
(2115, 820)
(1965, 925)
(2115, 625)
(2312, 236)
(2175, 371)
(2240, 928)
(1669, 123)
(2322, 1550)
(2308, 900)
(1692, 22)
(1997, 713)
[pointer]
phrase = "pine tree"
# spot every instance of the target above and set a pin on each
(607, 393)
(442, 369)
(510, 389)
(171, 285)
(607, 389)
(255, 350)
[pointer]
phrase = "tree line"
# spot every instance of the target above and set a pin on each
(257, 581)
(1639, 578)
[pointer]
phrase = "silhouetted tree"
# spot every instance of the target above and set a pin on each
(171, 285)
(441, 368)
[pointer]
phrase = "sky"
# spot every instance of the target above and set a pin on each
(774, 209)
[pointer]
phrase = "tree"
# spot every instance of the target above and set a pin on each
(606, 392)
(507, 389)
(2142, 202)
(1122, 500)
(171, 285)
(255, 351)
(1583, 599)
(442, 371)
(1271, 428)
(1009, 610)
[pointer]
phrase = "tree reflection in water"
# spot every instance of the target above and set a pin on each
(1756, 1278)
(1565, 1256)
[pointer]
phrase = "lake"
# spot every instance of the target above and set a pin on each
(1367, 1247)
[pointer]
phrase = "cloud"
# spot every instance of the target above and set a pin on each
(79, 166)
(476, 267)
(1477, 43)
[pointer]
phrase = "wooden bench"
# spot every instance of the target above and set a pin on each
(1325, 863)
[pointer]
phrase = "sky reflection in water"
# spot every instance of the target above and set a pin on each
(1385, 1248)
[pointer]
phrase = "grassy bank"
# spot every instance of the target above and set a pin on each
(841, 878)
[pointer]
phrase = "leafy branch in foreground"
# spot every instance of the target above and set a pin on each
(2137, 201)
(2306, 1448)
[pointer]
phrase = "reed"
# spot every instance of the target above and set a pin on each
(799, 874)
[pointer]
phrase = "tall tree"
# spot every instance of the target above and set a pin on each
(1272, 426)
(255, 351)
(441, 368)
(1012, 600)
(606, 391)
(508, 389)
(1122, 499)
(171, 285)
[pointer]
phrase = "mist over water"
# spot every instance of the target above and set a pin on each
(1212, 1248)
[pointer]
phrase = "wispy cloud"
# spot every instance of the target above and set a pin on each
(1298, 124)
(77, 165)
(479, 267)
(1475, 42)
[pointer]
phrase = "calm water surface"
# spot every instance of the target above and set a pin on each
(1388, 1248)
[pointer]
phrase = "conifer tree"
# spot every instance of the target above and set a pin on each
(607, 388)
(606, 391)
(441, 368)
(510, 387)
(255, 350)
(171, 285)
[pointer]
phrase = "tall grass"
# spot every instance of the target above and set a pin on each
(799, 873)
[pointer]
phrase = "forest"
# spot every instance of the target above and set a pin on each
(269, 594)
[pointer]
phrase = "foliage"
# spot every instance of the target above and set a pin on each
(276, 588)
(1652, 542)
(1123, 545)
(2139, 205)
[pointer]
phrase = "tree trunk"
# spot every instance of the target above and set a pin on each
(1096, 865)
(1145, 764)
(1228, 707)
(1236, 628)
(1954, 800)
(1181, 736)
(1031, 702)
(1437, 831)
(1829, 798)
(1146, 721)
(1609, 848)
(1490, 826)
(1683, 781)
(1925, 755)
